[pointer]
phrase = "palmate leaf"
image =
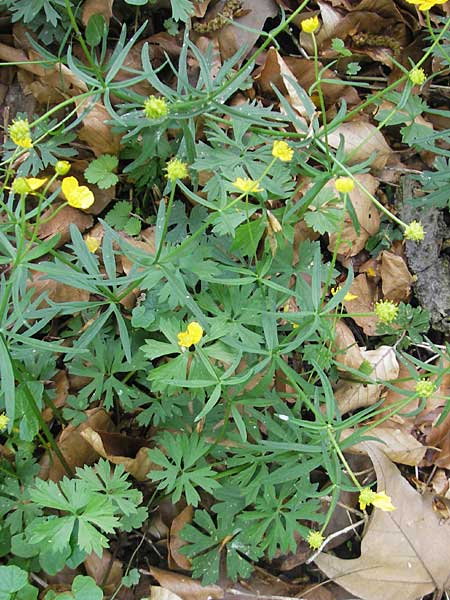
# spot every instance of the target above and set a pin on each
(206, 543)
(184, 468)
(100, 171)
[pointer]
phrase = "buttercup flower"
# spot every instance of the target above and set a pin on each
(246, 185)
(25, 185)
(310, 25)
(176, 169)
(426, 4)
(92, 243)
(4, 420)
(19, 132)
(344, 184)
(62, 167)
(424, 388)
(282, 151)
(386, 311)
(378, 499)
(414, 231)
(348, 296)
(192, 335)
(417, 76)
(314, 539)
(155, 108)
(78, 196)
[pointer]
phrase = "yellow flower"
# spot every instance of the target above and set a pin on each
(92, 243)
(4, 420)
(192, 335)
(25, 185)
(314, 539)
(348, 296)
(62, 167)
(425, 388)
(282, 151)
(417, 76)
(344, 184)
(378, 499)
(176, 169)
(246, 185)
(386, 311)
(310, 25)
(78, 196)
(414, 231)
(426, 4)
(155, 108)
(19, 131)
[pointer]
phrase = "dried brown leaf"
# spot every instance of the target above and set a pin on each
(73, 447)
(396, 279)
(348, 353)
(159, 593)
(56, 290)
(364, 290)
(61, 387)
(185, 587)
(361, 141)
(351, 395)
(351, 242)
(106, 566)
(176, 542)
(96, 130)
(404, 553)
(97, 7)
(61, 222)
(120, 450)
(255, 14)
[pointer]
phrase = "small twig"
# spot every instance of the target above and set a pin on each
(332, 536)
(233, 592)
(38, 580)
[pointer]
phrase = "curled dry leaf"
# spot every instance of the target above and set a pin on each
(348, 353)
(120, 450)
(351, 242)
(73, 447)
(176, 542)
(96, 131)
(159, 593)
(361, 141)
(56, 290)
(396, 279)
(395, 439)
(351, 395)
(404, 553)
(255, 14)
(61, 386)
(61, 222)
(97, 7)
(185, 587)
(99, 568)
(364, 290)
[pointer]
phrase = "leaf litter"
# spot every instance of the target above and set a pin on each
(405, 553)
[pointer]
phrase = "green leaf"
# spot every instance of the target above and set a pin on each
(133, 226)
(119, 215)
(338, 45)
(100, 171)
(12, 579)
(94, 30)
(324, 220)
(181, 10)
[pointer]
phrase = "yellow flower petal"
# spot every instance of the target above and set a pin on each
(383, 502)
(310, 25)
(246, 185)
(78, 196)
(192, 335)
(92, 243)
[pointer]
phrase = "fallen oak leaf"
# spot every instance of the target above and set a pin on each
(404, 553)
